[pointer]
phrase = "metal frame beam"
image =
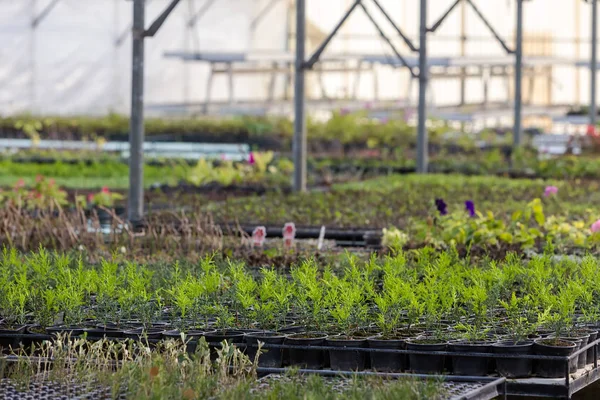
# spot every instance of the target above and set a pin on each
(299, 141)
(422, 134)
(594, 64)
(135, 199)
(483, 19)
(156, 25)
(518, 76)
(315, 57)
(408, 42)
(203, 10)
(43, 14)
(387, 40)
(262, 13)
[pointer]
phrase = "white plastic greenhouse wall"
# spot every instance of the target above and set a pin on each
(70, 64)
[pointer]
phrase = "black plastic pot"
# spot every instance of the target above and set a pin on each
(34, 335)
(548, 347)
(143, 334)
(513, 367)
(346, 360)
(590, 353)
(269, 358)
(102, 332)
(471, 366)
(388, 362)
(312, 359)
(581, 341)
(192, 334)
(291, 328)
(231, 336)
(191, 338)
(426, 364)
(10, 337)
(72, 331)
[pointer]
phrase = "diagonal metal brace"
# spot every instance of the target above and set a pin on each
(43, 14)
(490, 27)
(439, 22)
(203, 10)
(262, 13)
(315, 57)
(161, 19)
(408, 42)
(389, 42)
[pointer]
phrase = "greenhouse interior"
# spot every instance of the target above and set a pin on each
(299, 199)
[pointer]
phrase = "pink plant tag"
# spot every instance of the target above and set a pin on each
(289, 234)
(258, 236)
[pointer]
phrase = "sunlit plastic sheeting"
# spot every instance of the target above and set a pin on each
(70, 64)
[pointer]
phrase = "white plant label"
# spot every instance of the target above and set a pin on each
(321, 238)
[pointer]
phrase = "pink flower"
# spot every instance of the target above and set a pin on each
(368, 105)
(39, 178)
(344, 111)
(596, 226)
(105, 189)
(20, 183)
(550, 190)
(251, 160)
(90, 197)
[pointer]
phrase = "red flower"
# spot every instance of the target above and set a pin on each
(105, 189)
(90, 197)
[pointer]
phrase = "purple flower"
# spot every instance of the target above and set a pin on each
(344, 111)
(470, 207)
(441, 206)
(251, 160)
(550, 190)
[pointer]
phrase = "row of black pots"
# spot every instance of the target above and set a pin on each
(356, 359)
(437, 363)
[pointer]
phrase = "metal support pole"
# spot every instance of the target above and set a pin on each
(136, 135)
(594, 63)
(518, 75)
(299, 145)
(463, 53)
(422, 140)
(32, 61)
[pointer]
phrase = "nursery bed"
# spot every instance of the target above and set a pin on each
(49, 390)
(453, 389)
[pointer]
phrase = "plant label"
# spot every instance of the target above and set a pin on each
(289, 234)
(321, 238)
(258, 236)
